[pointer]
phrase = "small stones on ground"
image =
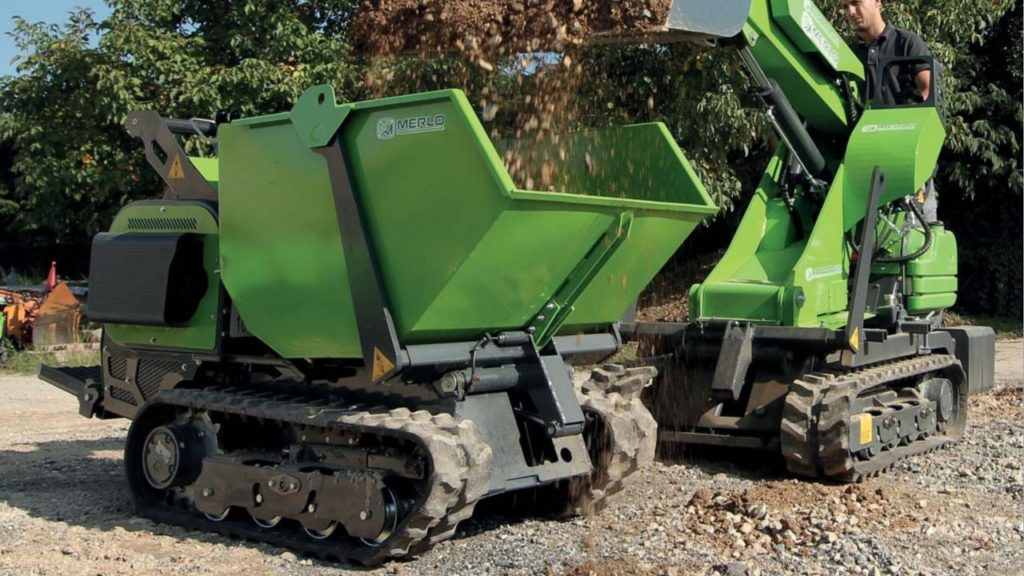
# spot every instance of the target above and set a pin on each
(698, 516)
(288, 557)
(736, 569)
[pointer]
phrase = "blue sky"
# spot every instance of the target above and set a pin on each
(51, 11)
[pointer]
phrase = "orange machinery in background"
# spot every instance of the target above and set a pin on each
(41, 316)
(20, 308)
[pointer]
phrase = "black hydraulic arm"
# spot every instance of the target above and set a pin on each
(859, 297)
(792, 130)
(206, 128)
(787, 122)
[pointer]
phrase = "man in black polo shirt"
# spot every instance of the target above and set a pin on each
(900, 84)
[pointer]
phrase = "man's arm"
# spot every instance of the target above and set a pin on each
(922, 72)
(924, 83)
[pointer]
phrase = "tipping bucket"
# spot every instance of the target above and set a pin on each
(461, 249)
(688, 21)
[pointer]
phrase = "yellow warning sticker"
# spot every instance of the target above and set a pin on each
(381, 364)
(855, 340)
(867, 428)
(177, 171)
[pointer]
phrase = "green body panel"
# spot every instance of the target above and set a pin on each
(941, 257)
(639, 162)
(904, 142)
(812, 33)
(209, 168)
(821, 270)
(934, 285)
(805, 75)
(281, 244)
(745, 284)
(931, 278)
(930, 302)
(201, 332)
(461, 251)
(772, 275)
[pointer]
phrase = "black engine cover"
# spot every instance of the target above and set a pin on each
(147, 279)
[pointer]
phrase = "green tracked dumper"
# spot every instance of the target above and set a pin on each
(351, 326)
(820, 333)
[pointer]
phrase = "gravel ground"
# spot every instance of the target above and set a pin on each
(64, 510)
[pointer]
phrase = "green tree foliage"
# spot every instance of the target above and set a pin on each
(981, 175)
(71, 163)
(74, 166)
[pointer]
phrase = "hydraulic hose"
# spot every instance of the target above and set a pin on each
(928, 239)
(852, 109)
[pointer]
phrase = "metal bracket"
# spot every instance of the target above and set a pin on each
(377, 335)
(554, 398)
(734, 360)
(858, 299)
(82, 383)
(546, 323)
(184, 182)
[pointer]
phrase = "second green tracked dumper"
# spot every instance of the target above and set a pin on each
(820, 333)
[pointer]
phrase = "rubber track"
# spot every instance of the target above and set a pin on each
(815, 422)
(461, 464)
(799, 432)
(612, 393)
